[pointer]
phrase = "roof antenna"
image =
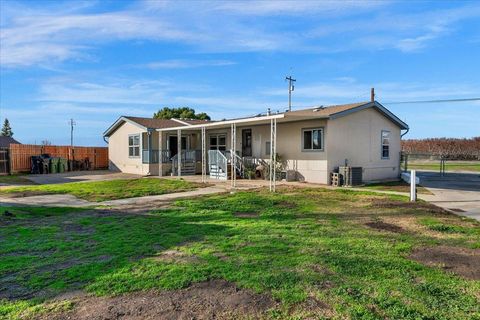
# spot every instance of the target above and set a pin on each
(291, 87)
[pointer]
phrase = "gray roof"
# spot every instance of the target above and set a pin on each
(6, 141)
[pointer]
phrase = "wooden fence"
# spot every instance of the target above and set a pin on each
(20, 155)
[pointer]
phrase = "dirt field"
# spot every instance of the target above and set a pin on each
(215, 299)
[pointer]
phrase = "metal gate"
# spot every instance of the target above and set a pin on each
(423, 162)
(4, 161)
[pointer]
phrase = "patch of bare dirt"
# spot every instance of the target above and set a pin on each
(175, 256)
(215, 299)
(240, 214)
(287, 205)
(70, 227)
(462, 261)
(383, 226)
(392, 204)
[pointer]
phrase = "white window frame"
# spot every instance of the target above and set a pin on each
(382, 144)
(133, 146)
(322, 139)
(267, 148)
(217, 136)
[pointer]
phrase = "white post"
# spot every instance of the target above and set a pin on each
(179, 152)
(233, 141)
(413, 185)
(274, 154)
(204, 169)
(271, 155)
(160, 154)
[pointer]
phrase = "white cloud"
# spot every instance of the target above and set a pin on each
(32, 36)
(185, 64)
(293, 7)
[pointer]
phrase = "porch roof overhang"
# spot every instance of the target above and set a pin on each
(333, 112)
(227, 123)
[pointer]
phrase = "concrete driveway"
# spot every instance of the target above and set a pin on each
(457, 192)
(77, 176)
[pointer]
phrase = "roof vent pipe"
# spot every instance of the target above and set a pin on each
(372, 95)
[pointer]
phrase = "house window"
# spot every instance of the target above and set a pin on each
(312, 139)
(267, 148)
(218, 142)
(134, 146)
(385, 144)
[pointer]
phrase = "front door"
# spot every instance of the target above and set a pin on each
(246, 142)
(173, 146)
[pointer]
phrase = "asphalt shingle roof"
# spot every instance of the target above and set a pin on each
(6, 141)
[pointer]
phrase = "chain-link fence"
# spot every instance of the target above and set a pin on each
(436, 163)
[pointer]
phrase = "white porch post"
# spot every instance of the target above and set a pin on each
(149, 149)
(160, 154)
(233, 148)
(179, 152)
(273, 151)
(204, 168)
(274, 154)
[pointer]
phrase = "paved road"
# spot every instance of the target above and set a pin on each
(458, 192)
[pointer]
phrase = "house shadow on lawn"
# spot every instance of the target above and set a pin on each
(50, 251)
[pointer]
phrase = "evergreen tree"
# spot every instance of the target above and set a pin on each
(180, 113)
(6, 129)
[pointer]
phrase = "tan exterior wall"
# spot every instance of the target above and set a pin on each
(357, 138)
(310, 166)
(118, 151)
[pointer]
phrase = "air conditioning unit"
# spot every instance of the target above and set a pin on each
(352, 176)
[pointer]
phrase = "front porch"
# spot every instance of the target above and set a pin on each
(220, 152)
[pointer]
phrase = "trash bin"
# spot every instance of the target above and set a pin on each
(62, 165)
(54, 165)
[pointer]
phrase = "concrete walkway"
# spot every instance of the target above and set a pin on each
(456, 192)
(67, 200)
(78, 176)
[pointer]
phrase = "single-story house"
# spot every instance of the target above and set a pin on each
(310, 143)
(6, 141)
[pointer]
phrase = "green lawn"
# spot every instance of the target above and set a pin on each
(293, 245)
(14, 179)
(449, 166)
(399, 186)
(107, 190)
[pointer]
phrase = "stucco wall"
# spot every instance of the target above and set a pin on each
(357, 138)
(118, 151)
(310, 166)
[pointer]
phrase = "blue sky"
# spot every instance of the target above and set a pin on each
(96, 60)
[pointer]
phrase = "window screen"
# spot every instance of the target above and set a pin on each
(313, 139)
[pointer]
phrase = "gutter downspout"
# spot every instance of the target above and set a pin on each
(401, 136)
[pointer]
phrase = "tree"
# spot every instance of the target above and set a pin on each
(6, 129)
(180, 113)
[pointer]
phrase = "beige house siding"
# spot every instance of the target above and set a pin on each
(310, 166)
(357, 138)
(118, 151)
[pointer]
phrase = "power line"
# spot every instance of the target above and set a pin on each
(434, 101)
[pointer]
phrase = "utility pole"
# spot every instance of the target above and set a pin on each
(72, 123)
(291, 87)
